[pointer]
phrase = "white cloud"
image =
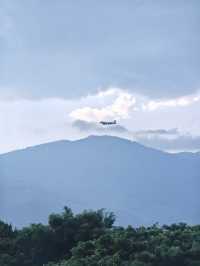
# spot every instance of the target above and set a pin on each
(168, 140)
(115, 103)
(119, 108)
(177, 102)
(30, 122)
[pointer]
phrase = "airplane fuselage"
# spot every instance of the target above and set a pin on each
(107, 123)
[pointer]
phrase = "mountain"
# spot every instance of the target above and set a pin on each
(140, 185)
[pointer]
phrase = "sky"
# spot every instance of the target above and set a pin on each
(66, 65)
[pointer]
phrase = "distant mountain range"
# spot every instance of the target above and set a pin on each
(140, 185)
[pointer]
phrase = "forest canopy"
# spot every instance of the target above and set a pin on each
(91, 239)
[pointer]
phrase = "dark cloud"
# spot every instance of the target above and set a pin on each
(164, 139)
(91, 127)
(69, 48)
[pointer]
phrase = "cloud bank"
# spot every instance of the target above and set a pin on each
(30, 122)
(170, 140)
(122, 105)
(143, 46)
(177, 102)
(116, 103)
(92, 127)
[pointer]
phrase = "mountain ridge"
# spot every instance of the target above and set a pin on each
(140, 184)
(91, 137)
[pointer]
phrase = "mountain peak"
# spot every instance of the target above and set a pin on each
(99, 172)
(110, 139)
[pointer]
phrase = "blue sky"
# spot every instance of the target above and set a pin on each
(67, 50)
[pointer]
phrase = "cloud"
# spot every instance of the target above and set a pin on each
(120, 108)
(104, 46)
(149, 134)
(177, 102)
(30, 122)
(175, 144)
(92, 127)
(160, 132)
(170, 140)
(116, 103)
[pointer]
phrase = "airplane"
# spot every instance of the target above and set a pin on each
(108, 123)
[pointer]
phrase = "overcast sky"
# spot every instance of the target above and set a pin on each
(135, 60)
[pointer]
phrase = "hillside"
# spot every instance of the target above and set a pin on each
(90, 238)
(141, 185)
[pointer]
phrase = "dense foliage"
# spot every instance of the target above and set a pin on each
(90, 239)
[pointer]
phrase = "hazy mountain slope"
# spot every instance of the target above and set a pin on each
(139, 184)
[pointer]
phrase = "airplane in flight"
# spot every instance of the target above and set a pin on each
(108, 123)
